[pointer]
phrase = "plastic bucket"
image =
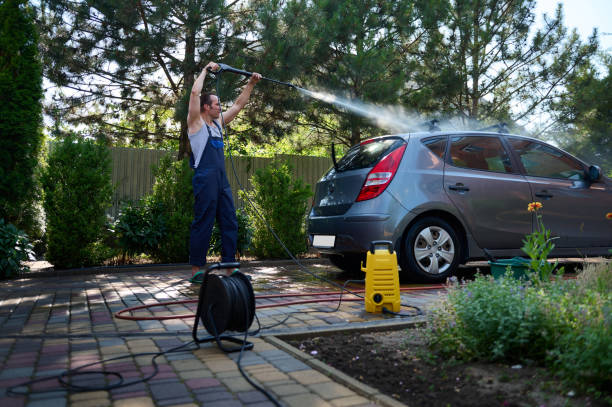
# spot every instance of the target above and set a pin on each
(518, 265)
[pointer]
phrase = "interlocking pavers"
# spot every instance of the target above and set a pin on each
(249, 397)
(168, 390)
(305, 400)
(14, 372)
(129, 395)
(306, 377)
(174, 401)
(288, 389)
(48, 402)
(225, 403)
(262, 404)
(87, 304)
(91, 403)
(136, 387)
(212, 394)
(330, 390)
(202, 383)
(135, 402)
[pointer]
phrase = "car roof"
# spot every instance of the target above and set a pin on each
(421, 134)
(424, 134)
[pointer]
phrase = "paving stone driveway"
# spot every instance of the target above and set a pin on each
(49, 325)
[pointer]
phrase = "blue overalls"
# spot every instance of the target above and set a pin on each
(213, 199)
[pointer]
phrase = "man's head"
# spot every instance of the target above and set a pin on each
(209, 104)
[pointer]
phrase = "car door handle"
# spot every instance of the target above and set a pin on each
(458, 187)
(544, 194)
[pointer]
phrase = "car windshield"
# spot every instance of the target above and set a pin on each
(367, 153)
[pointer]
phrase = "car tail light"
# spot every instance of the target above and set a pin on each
(380, 176)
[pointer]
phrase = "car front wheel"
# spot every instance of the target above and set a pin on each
(431, 250)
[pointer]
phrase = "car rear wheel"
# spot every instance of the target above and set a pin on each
(431, 250)
(351, 263)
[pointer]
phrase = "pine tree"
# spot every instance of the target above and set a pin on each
(491, 64)
(20, 110)
(127, 63)
(584, 115)
(359, 50)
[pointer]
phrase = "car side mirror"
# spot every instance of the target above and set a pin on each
(594, 173)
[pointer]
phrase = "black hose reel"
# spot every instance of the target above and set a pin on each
(226, 303)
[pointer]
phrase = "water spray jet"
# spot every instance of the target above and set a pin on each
(394, 118)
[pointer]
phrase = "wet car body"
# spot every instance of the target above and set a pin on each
(454, 194)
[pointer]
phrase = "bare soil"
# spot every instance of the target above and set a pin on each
(399, 364)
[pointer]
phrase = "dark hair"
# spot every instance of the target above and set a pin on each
(205, 99)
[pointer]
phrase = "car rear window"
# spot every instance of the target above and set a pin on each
(367, 153)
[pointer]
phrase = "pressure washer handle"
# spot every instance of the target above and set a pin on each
(227, 68)
(375, 243)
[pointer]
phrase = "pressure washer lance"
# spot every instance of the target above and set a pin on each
(227, 68)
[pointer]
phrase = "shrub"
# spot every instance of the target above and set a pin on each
(565, 324)
(173, 194)
(20, 112)
(583, 352)
(493, 320)
(77, 191)
(14, 249)
(280, 202)
(139, 227)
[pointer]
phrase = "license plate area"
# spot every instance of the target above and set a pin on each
(323, 241)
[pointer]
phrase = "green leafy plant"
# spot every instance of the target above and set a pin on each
(492, 319)
(538, 246)
(173, 192)
(565, 324)
(583, 351)
(77, 191)
(15, 248)
(139, 227)
(21, 137)
(281, 202)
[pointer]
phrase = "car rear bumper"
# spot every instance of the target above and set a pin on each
(357, 231)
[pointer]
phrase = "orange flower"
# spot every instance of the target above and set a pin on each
(609, 215)
(534, 206)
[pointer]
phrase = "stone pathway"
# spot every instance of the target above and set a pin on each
(49, 325)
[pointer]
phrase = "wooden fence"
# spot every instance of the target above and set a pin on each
(133, 176)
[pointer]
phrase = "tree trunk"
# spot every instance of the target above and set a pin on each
(189, 70)
(355, 135)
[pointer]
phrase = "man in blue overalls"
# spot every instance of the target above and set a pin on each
(213, 196)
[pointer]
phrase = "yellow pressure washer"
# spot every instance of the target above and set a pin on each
(382, 278)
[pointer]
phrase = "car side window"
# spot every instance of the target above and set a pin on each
(541, 160)
(437, 145)
(480, 153)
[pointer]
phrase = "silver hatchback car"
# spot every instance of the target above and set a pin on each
(443, 198)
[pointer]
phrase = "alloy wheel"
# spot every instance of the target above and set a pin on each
(434, 250)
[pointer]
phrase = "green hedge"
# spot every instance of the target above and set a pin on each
(77, 191)
(280, 202)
